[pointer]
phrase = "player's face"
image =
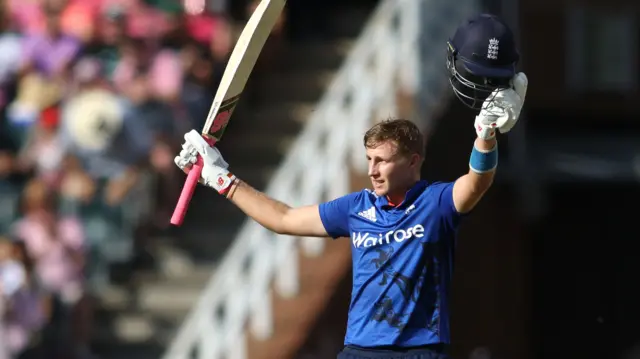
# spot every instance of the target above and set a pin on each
(391, 172)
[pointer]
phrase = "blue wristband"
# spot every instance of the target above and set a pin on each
(483, 161)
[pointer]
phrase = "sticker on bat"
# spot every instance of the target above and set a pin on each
(222, 118)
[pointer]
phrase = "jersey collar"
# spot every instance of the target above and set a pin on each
(409, 197)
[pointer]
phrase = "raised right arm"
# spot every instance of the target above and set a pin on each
(275, 215)
(272, 214)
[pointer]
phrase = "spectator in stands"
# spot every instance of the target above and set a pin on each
(151, 79)
(9, 182)
(43, 152)
(78, 19)
(94, 96)
(204, 58)
(24, 307)
(113, 148)
(12, 278)
(10, 56)
(26, 16)
(110, 145)
(57, 246)
(174, 33)
(76, 187)
(147, 73)
(198, 88)
(46, 61)
(51, 53)
(10, 52)
(108, 38)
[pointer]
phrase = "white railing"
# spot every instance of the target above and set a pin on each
(385, 59)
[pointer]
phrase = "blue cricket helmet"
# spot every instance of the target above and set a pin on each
(481, 57)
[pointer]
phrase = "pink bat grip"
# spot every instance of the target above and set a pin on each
(189, 187)
(187, 192)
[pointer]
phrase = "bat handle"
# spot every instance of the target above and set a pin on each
(187, 192)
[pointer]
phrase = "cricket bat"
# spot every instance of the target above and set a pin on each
(241, 63)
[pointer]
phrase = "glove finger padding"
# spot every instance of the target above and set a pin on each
(511, 104)
(520, 83)
(507, 121)
(188, 155)
(194, 139)
(210, 155)
(486, 121)
(181, 162)
(513, 101)
(215, 171)
(502, 108)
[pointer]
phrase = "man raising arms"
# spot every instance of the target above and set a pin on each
(403, 230)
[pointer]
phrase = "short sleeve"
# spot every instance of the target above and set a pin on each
(443, 191)
(335, 215)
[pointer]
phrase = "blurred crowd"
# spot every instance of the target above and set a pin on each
(94, 97)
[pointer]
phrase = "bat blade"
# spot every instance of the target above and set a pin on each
(239, 67)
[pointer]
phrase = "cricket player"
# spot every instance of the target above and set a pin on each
(403, 229)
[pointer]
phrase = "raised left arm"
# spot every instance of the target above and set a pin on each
(469, 189)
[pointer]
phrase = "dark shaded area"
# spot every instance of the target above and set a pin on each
(586, 300)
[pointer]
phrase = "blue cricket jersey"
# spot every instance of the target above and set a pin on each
(402, 264)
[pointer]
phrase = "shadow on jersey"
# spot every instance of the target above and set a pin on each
(411, 289)
(404, 283)
(385, 313)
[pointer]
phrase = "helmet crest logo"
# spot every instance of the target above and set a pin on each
(492, 51)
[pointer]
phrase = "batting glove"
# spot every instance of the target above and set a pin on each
(501, 110)
(214, 171)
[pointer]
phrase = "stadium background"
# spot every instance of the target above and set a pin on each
(84, 200)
